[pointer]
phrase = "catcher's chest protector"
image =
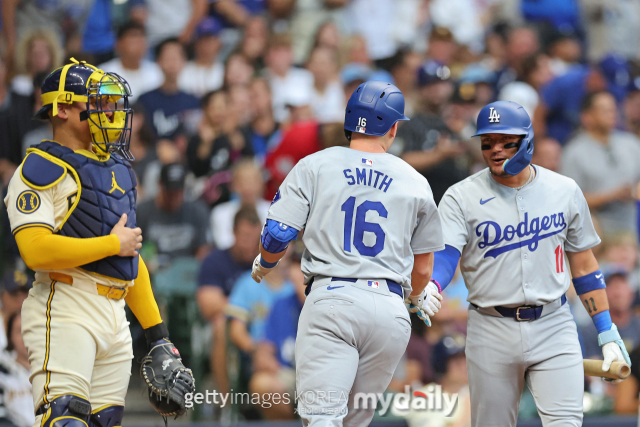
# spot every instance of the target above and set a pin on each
(106, 190)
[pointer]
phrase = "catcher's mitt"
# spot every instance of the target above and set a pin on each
(168, 379)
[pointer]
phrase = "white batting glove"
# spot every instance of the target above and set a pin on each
(426, 304)
(258, 271)
(612, 353)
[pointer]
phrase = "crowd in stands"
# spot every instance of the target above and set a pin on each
(228, 95)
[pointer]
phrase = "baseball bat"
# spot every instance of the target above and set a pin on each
(617, 371)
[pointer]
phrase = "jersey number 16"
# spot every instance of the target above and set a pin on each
(361, 226)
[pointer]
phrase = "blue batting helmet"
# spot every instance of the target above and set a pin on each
(509, 118)
(102, 92)
(374, 108)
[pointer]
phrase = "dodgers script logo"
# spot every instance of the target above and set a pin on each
(492, 234)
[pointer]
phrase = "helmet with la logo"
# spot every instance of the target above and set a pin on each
(509, 118)
(103, 92)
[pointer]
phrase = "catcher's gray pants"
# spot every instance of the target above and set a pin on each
(350, 340)
(503, 354)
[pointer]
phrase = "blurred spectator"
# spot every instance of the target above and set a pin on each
(558, 112)
(564, 50)
(131, 48)
(376, 21)
(16, 403)
(620, 296)
(247, 187)
(631, 107)
(172, 18)
(419, 369)
(353, 75)
(300, 139)
(98, 37)
(521, 42)
(221, 268)
(327, 35)
(219, 273)
(404, 69)
(38, 52)
(483, 78)
(236, 13)
(449, 363)
(167, 107)
(626, 400)
(562, 14)
(254, 42)
(204, 73)
(173, 227)
(536, 72)
(426, 142)
(146, 164)
(611, 27)
(442, 47)
(57, 18)
(354, 50)
(605, 163)
(274, 358)
(621, 249)
(284, 79)
(250, 303)
(218, 143)
(237, 71)
(327, 100)
(14, 290)
(462, 18)
(547, 153)
(263, 131)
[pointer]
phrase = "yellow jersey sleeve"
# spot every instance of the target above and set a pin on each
(140, 299)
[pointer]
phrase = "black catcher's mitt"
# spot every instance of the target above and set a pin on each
(168, 379)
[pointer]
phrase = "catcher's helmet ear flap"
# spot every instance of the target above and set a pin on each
(509, 118)
(106, 96)
(374, 108)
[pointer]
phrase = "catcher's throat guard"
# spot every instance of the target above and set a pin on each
(106, 95)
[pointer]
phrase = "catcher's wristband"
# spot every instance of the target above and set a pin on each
(156, 333)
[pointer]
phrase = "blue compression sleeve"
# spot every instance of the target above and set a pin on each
(444, 265)
(276, 236)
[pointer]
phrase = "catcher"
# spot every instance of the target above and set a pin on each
(72, 209)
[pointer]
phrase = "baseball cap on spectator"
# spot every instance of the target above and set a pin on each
(172, 176)
(15, 280)
(615, 70)
(355, 71)
(448, 347)
(208, 27)
(477, 73)
(614, 270)
(464, 93)
(431, 72)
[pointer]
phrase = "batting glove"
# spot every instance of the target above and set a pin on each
(613, 350)
(258, 271)
(426, 304)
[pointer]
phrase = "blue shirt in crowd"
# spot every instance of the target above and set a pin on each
(251, 302)
(221, 270)
(281, 328)
(98, 36)
(167, 111)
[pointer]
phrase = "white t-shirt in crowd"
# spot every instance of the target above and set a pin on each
(296, 80)
(222, 221)
(148, 77)
(198, 80)
(328, 107)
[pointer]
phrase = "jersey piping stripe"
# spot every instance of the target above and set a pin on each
(48, 342)
(32, 224)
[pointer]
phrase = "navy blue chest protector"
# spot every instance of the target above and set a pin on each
(107, 190)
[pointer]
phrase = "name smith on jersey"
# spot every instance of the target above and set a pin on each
(370, 179)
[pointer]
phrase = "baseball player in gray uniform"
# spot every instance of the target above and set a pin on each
(512, 226)
(370, 229)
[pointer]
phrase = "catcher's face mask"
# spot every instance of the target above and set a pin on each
(108, 111)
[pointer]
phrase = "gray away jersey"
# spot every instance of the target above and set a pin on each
(364, 214)
(513, 242)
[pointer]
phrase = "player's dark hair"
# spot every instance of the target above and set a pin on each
(590, 98)
(247, 212)
(164, 43)
(12, 319)
(130, 27)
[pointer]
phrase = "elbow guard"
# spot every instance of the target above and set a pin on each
(276, 236)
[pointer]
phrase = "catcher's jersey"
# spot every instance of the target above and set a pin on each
(29, 207)
(513, 242)
(364, 215)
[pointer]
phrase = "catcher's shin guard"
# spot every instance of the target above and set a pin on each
(107, 416)
(66, 410)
